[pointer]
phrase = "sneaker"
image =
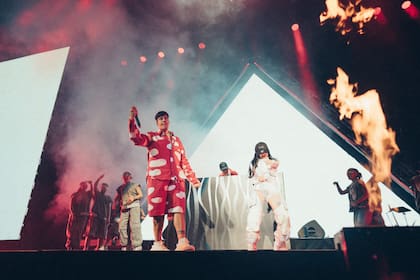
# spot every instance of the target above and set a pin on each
(158, 246)
(138, 248)
(184, 245)
(123, 248)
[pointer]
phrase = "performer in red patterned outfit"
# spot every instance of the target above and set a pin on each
(167, 169)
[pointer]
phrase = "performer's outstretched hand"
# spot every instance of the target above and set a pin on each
(133, 112)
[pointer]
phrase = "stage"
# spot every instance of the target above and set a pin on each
(358, 253)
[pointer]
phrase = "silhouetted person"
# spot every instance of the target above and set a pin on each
(100, 216)
(78, 216)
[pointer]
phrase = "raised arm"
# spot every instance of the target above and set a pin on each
(95, 185)
(340, 191)
(134, 131)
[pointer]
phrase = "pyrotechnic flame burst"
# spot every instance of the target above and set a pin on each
(370, 129)
(347, 15)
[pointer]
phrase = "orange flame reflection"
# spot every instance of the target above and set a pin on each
(370, 129)
(347, 15)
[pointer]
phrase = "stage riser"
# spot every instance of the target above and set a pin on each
(181, 265)
(381, 251)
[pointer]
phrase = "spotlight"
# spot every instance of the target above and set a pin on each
(161, 54)
(378, 11)
(405, 5)
(201, 46)
(181, 50)
(143, 59)
(295, 27)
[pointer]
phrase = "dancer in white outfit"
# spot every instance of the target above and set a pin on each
(265, 188)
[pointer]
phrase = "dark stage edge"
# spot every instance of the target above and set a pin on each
(174, 265)
(362, 253)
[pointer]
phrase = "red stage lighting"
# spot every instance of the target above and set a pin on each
(295, 27)
(143, 59)
(201, 46)
(405, 5)
(410, 9)
(181, 50)
(379, 16)
(161, 54)
(124, 62)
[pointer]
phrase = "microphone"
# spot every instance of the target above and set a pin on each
(137, 121)
(136, 117)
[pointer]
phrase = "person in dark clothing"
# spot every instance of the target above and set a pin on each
(78, 216)
(100, 216)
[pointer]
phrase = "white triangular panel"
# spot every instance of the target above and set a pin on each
(28, 90)
(310, 160)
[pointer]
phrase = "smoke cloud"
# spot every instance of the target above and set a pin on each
(94, 101)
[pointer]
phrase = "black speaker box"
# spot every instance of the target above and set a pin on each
(378, 252)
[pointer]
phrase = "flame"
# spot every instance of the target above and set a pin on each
(370, 129)
(347, 15)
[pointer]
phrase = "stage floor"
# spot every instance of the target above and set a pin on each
(361, 253)
(296, 264)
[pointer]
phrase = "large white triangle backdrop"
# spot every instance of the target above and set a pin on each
(310, 160)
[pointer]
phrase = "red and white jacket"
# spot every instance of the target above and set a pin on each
(166, 155)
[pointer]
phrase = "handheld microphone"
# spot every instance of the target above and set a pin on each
(137, 121)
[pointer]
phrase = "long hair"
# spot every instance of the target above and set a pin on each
(258, 147)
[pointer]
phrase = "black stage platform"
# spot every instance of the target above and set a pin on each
(361, 253)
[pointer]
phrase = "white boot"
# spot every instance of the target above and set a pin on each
(252, 240)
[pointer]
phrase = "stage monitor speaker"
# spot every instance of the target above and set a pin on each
(311, 230)
(312, 244)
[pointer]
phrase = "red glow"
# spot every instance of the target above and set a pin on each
(181, 50)
(110, 2)
(307, 79)
(161, 54)
(295, 27)
(26, 18)
(379, 16)
(410, 9)
(405, 5)
(201, 46)
(143, 59)
(124, 62)
(84, 5)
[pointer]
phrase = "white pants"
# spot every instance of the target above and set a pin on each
(259, 196)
